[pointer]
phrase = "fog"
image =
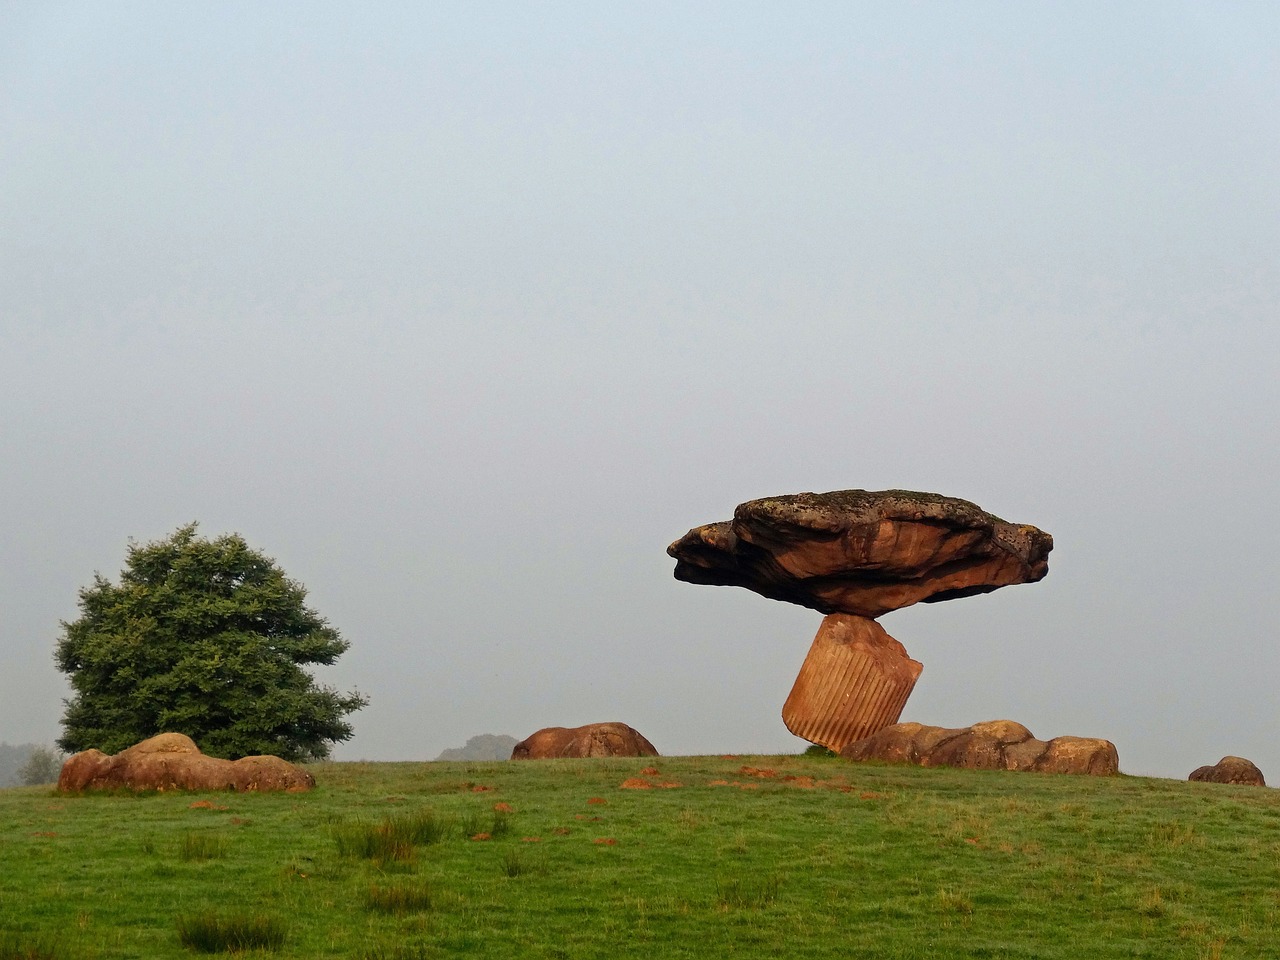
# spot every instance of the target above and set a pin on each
(463, 313)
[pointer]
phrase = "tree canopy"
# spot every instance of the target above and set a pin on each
(207, 638)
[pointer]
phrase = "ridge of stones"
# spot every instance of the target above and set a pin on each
(993, 745)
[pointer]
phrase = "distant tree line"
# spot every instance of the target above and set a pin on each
(28, 764)
(487, 746)
(12, 757)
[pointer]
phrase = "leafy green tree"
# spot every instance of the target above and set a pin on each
(207, 638)
(43, 766)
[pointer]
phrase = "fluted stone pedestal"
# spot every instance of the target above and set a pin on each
(855, 681)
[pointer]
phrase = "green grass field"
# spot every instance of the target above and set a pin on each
(746, 857)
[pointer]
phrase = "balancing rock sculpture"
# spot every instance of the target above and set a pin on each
(855, 555)
(172, 761)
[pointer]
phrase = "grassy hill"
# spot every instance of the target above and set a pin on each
(734, 856)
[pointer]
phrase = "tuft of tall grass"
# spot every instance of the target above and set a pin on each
(501, 824)
(202, 846)
(512, 864)
(422, 827)
(401, 951)
(477, 821)
(1151, 904)
(735, 893)
(1171, 835)
(399, 898)
(392, 839)
(953, 901)
(207, 932)
(13, 947)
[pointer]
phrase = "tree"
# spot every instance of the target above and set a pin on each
(207, 638)
(43, 766)
(11, 760)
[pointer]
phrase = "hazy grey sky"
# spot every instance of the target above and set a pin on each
(463, 312)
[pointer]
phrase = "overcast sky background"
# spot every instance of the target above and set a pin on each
(463, 312)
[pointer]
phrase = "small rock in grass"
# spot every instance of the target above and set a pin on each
(1235, 770)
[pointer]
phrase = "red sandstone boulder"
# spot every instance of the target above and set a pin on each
(592, 740)
(171, 761)
(1230, 770)
(854, 682)
(862, 552)
(994, 745)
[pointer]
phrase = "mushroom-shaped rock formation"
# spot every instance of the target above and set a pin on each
(172, 761)
(862, 552)
(855, 555)
(994, 745)
(1235, 770)
(592, 740)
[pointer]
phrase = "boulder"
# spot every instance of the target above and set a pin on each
(592, 740)
(172, 761)
(855, 680)
(994, 745)
(1230, 770)
(862, 552)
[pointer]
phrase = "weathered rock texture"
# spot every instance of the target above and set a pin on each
(592, 740)
(855, 681)
(994, 745)
(1230, 770)
(862, 552)
(171, 761)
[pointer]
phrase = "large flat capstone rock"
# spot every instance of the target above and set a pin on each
(862, 552)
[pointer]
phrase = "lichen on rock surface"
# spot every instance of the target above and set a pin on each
(862, 552)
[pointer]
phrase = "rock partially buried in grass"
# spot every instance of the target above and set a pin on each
(994, 745)
(592, 740)
(1236, 770)
(172, 761)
